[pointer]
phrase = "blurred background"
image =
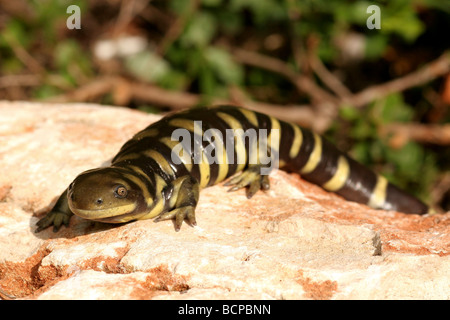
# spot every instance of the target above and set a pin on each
(382, 95)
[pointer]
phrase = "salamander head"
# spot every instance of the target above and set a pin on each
(106, 194)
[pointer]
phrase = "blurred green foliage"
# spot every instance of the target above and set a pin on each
(197, 57)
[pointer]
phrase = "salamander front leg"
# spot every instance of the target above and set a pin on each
(59, 215)
(183, 196)
(251, 178)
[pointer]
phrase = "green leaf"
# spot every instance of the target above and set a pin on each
(224, 67)
(211, 3)
(230, 22)
(355, 12)
(172, 79)
(207, 81)
(362, 130)
(361, 152)
(262, 11)
(67, 52)
(200, 30)
(15, 32)
(45, 91)
(403, 21)
(408, 160)
(147, 66)
(395, 110)
(349, 113)
(180, 6)
(376, 46)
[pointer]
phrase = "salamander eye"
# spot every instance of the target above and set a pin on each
(120, 191)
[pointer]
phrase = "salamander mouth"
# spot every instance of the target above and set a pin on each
(117, 219)
(112, 215)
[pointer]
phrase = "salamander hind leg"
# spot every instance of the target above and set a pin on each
(250, 178)
(182, 197)
(59, 215)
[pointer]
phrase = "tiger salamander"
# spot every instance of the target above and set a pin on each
(159, 172)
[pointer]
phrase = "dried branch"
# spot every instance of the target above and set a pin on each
(430, 71)
(176, 28)
(87, 92)
(441, 188)
(303, 83)
(329, 79)
(128, 10)
(404, 132)
(20, 80)
(124, 90)
(22, 54)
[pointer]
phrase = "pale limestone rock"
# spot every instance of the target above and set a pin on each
(107, 286)
(294, 241)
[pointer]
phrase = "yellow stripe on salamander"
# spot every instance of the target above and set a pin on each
(250, 115)
(153, 132)
(222, 163)
(378, 196)
(204, 165)
(275, 131)
(159, 203)
(314, 157)
(182, 154)
(161, 160)
(239, 147)
(340, 176)
(297, 143)
(148, 198)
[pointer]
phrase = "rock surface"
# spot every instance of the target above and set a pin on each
(294, 241)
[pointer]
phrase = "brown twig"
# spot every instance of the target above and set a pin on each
(123, 90)
(329, 103)
(22, 54)
(424, 133)
(176, 28)
(20, 80)
(328, 78)
(174, 99)
(430, 71)
(128, 10)
(303, 83)
(441, 188)
(87, 92)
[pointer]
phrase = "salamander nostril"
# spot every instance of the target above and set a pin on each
(99, 201)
